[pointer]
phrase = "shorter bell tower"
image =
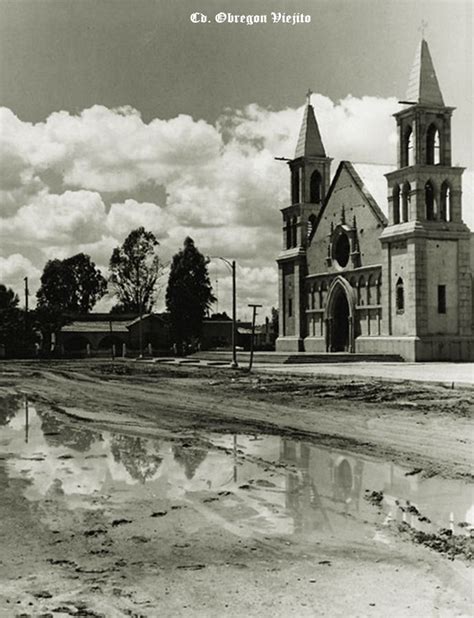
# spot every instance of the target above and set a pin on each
(310, 178)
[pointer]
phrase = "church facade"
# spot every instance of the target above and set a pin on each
(377, 260)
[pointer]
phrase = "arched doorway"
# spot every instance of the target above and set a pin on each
(340, 323)
(343, 480)
(339, 317)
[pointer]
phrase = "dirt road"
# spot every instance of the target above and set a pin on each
(426, 426)
(138, 490)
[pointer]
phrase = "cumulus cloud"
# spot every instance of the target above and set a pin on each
(50, 219)
(73, 182)
(14, 268)
(124, 217)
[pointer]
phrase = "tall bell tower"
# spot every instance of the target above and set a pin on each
(310, 178)
(426, 245)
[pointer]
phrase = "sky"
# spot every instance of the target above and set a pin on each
(120, 113)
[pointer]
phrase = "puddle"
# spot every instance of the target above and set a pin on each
(248, 485)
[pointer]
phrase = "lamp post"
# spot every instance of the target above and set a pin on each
(232, 265)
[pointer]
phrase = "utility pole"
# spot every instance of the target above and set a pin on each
(232, 265)
(27, 293)
(253, 334)
(234, 363)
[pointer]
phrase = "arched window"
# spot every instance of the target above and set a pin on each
(400, 296)
(323, 292)
(294, 230)
(429, 201)
(407, 148)
(320, 296)
(396, 204)
(311, 226)
(377, 290)
(432, 145)
(295, 186)
(360, 291)
(406, 201)
(289, 234)
(370, 285)
(313, 293)
(315, 188)
(445, 202)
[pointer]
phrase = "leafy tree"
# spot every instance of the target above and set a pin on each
(9, 408)
(220, 317)
(8, 298)
(17, 333)
(141, 457)
(189, 294)
(135, 267)
(189, 458)
(73, 285)
(275, 321)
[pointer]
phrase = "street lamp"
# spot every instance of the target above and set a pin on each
(231, 265)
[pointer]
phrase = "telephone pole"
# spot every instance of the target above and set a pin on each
(27, 293)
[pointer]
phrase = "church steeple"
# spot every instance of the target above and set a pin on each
(425, 188)
(424, 125)
(310, 169)
(423, 86)
(309, 143)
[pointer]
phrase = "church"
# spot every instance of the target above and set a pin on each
(377, 260)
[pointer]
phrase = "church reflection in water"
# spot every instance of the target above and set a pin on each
(269, 483)
(329, 483)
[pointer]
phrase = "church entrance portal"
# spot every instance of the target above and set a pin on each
(340, 323)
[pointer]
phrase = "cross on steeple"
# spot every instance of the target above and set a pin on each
(308, 96)
(423, 26)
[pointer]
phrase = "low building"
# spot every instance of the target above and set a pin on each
(155, 332)
(97, 333)
(94, 332)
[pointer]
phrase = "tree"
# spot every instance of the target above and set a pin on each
(135, 267)
(189, 294)
(8, 298)
(17, 333)
(275, 322)
(73, 285)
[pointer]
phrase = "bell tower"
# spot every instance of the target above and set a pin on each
(426, 244)
(309, 183)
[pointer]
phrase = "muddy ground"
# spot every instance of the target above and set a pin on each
(154, 553)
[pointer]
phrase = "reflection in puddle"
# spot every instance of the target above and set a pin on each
(263, 484)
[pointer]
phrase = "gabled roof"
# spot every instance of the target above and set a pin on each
(309, 140)
(371, 182)
(423, 87)
(147, 316)
(374, 183)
